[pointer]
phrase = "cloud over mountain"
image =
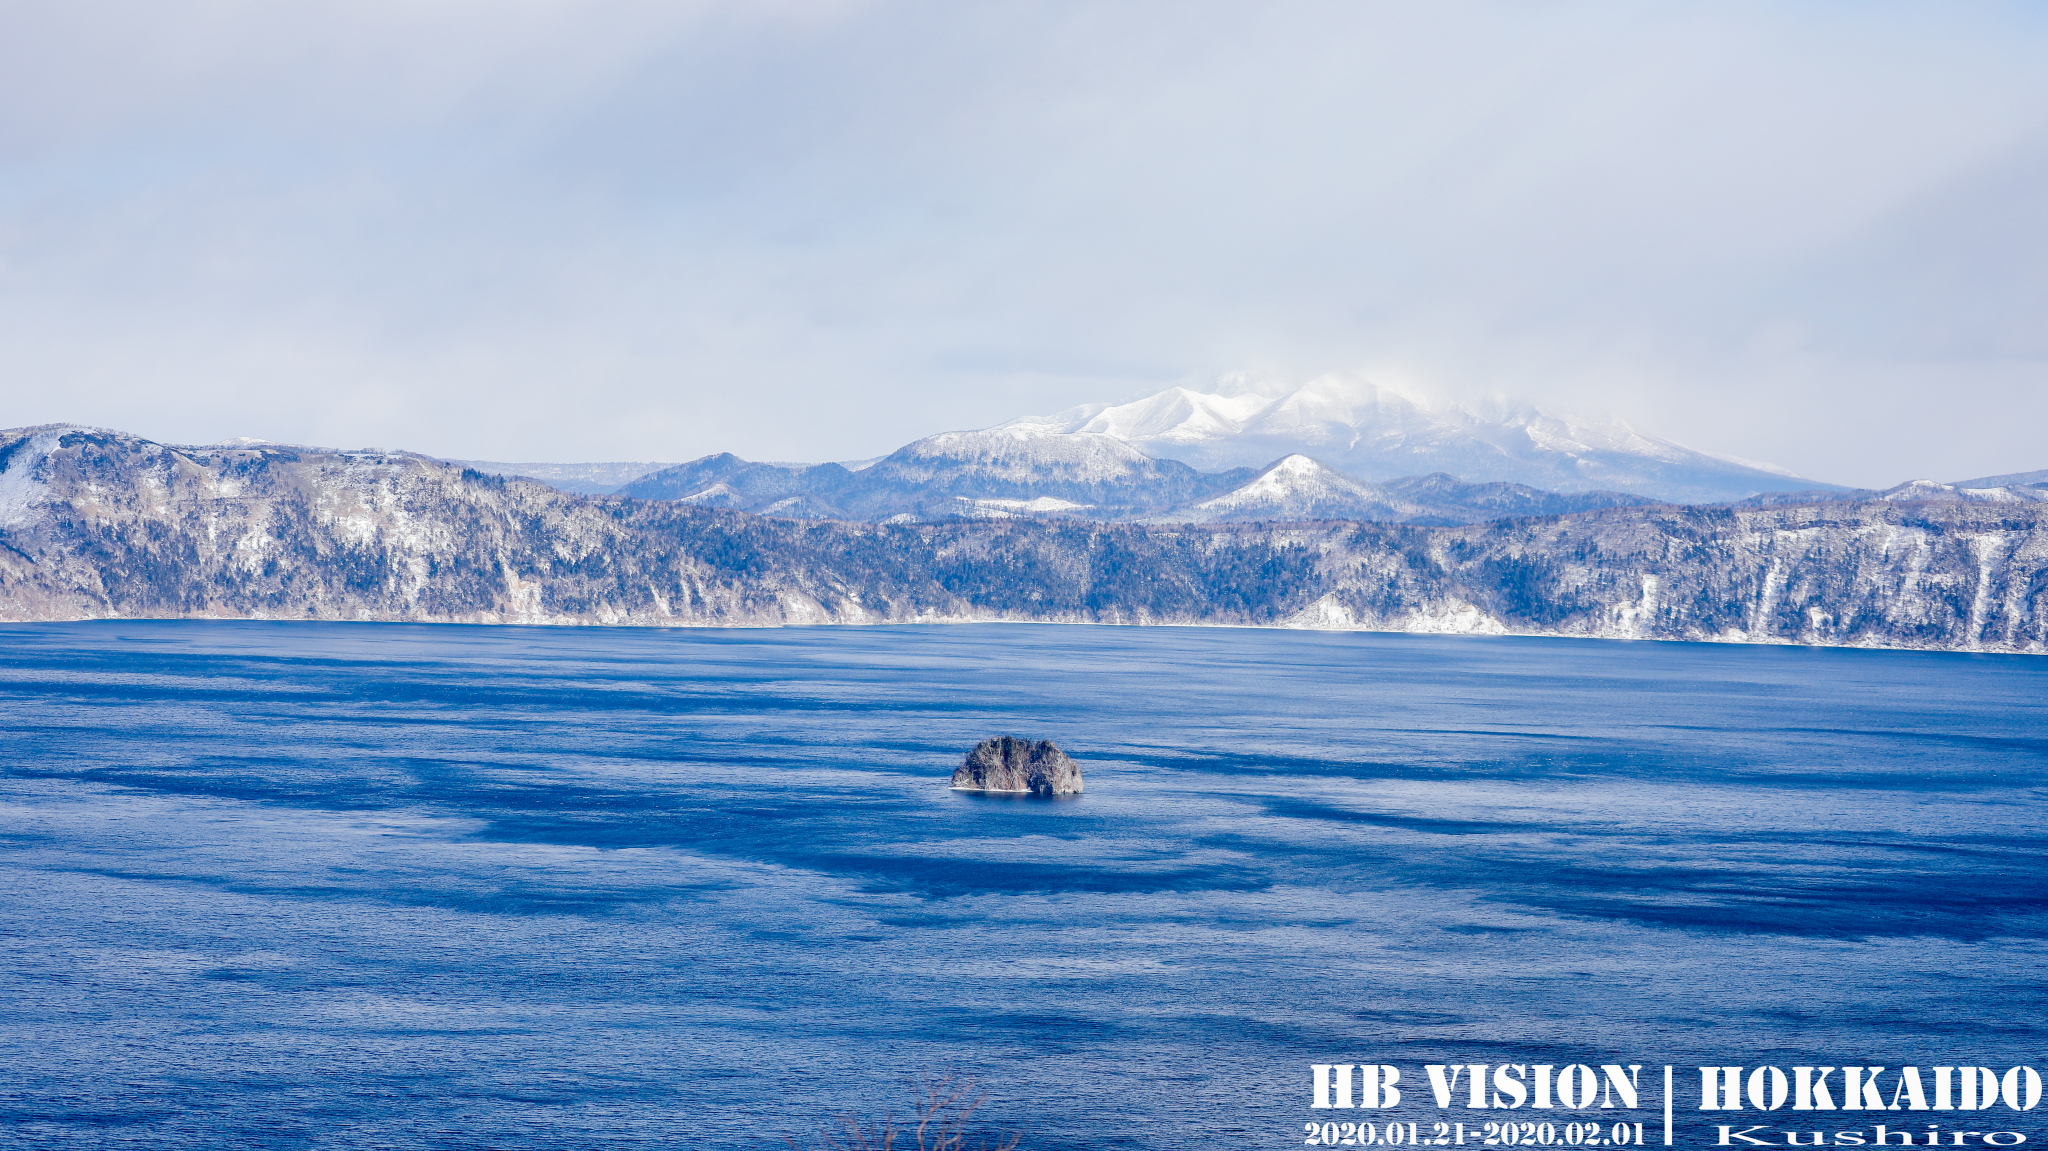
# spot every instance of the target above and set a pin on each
(793, 230)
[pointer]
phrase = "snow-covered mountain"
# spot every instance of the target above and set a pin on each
(1026, 464)
(96, 524)
(1928, 491)
(1299, 488)
(1023, 473)
(2012, 480)
(996, 473)
(1981, 491)
(1377, 433)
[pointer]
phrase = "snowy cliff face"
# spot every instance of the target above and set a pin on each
(96, 524)
(1376, 433)
(120, 526)
(24, 457)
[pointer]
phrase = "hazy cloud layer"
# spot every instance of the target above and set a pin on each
(1808, 233)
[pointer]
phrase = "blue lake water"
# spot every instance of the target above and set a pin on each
(329, 885)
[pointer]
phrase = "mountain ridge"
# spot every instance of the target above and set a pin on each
(102, 525)
(583, 478)
(1022, 472)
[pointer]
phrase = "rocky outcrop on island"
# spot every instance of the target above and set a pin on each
(1015, 766)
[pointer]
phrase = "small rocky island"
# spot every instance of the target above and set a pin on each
(1008, 765)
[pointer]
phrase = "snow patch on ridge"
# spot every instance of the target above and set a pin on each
(1041, 505)
(1930, 491)
(716, 496)
(20, 490)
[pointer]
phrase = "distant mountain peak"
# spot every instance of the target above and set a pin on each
(1299, 487)
(587, 479)
(1374, 431)
(1296, 475)
(1933, 491)
(1021, 449)
(2009, 480)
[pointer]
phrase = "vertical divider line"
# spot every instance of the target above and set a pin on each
(1667, 1104)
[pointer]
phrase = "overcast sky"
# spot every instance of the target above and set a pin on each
(1814, 234)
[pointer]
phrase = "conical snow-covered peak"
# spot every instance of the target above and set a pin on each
(1297, 475)
(1297, 487)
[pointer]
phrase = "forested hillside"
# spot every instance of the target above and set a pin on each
(96, 524)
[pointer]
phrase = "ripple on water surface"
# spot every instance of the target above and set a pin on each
(376, 885)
